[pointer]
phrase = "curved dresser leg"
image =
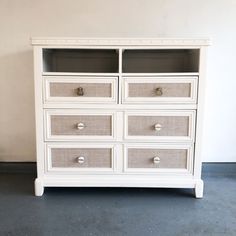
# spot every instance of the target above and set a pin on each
(38, 187)
(199, 189)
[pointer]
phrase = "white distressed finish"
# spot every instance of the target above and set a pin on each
(119, 106)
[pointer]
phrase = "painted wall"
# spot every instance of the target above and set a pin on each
(110, 18)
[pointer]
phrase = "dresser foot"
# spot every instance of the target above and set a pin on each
(38, 187)
(199, 189)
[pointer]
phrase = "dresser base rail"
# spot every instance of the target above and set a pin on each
(119, 181)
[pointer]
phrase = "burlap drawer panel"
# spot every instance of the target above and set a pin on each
(168, 89)
(90, 89)
(67, 125)
(169, 158)
(171, 125)
(93, 157)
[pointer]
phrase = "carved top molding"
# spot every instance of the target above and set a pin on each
(120, 41)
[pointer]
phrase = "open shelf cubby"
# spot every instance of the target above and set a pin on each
(81, 60)
(160, 61)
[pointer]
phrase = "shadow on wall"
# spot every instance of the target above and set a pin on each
(17, 136)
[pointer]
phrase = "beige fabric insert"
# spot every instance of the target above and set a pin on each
(171, 125)
(93, 157)
(168, 89)
(169, 158)
(94, 124)
(90, 89)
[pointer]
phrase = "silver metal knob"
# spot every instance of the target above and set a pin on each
(157, 127)
(156, 160)
(80, 160)
(80, 126)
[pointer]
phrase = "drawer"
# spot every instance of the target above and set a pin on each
(160, 89)
(62, 157)
(159, 158)
(79, 125)
(80, 89)
(160, 125)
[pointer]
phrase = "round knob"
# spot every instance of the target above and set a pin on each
(80, 91)
(80, 160)
(157, 127)
(159, 91)
(156, 160)
(80, 126)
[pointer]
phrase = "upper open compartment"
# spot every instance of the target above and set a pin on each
(80, 60)
(160, 61)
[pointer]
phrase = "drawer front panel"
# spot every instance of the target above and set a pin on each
(68, 125)
(160, 125)
(159, 158)
(159, 89)
(79, 157)
(80, 89)
(171, 125)
(172, 90)
(86, 125)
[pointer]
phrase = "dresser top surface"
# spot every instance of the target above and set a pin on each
(47, 41)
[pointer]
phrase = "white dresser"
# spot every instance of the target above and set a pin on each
(119, 112)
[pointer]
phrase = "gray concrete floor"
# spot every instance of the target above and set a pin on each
(116, 211)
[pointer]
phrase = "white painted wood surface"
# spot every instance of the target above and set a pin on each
(120, 41)
(119, 106)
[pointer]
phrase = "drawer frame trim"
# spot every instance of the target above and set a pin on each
(193, 81)
(173, 171)
(47, 80)
(190, 113)
(72, 170)
(47, 125)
